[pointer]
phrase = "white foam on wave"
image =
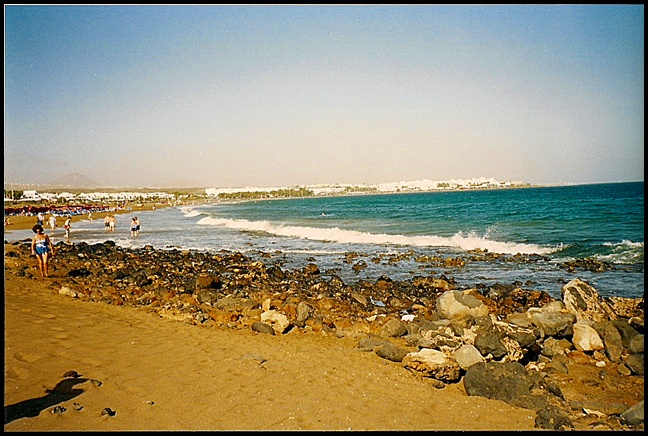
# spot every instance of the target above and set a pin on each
(625, 243)
(189, 211)
(335, 234)
(624, 252)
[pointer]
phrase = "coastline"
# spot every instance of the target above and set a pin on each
(145, 350)
(27, 222)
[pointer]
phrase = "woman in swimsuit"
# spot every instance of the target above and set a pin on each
(42, 248)
(135, 227)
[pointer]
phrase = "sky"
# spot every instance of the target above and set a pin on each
(235, 96)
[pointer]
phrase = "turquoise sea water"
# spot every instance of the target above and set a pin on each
(600, 221)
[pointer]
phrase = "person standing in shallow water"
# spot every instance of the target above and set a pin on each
(67, 226)
(135, 227)
(42, 248)
(52, 222)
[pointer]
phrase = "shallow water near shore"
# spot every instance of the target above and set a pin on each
(550, 225)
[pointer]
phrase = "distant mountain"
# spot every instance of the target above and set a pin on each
(75, 180)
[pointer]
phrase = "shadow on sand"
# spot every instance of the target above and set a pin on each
(63, 391)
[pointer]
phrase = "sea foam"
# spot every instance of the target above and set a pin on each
(335, 234)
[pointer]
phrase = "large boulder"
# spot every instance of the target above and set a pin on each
(457, 304)
(509, 382)
(550, 323)
(585, 302)
(586, 338)
(433, 363)
(278, 321)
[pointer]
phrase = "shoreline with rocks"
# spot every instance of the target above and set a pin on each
(574, 363)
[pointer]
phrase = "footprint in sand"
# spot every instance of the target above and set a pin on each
(26, 357)
(93, 362)
(57, 329)
(62, 336)
(62, 354)
(16, 373)
(48, 316)
(61, 342)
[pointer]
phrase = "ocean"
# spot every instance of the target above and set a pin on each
(390, 234)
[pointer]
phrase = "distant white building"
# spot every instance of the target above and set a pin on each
(215, 191)
(403, 186)
(30, 196)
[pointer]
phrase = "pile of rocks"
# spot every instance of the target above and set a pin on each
(504, 342)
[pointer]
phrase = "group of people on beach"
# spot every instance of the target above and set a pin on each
(110, 222)
(67, 225)
(43, 248)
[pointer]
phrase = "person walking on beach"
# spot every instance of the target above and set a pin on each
(107, 222)
(39, 219)
(42, 248)
(52, 222)
(112, 223)
(67, 226)
(135, 227)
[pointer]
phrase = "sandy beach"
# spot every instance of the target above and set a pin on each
(27, 222)
(123, 339)
(161, 374)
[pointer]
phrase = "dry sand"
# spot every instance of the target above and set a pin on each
(160, 374)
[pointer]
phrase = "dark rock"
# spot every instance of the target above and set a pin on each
(634, 416)
(499, 381)
(636, 344)
(552, 387)
(490, 342)
(612, 341)
(140, 278)
(392, 352)
(552, 418)
(119, 275)
(276, 272)
(80, 272)
(311, 269)
(394, 328)
(636, 363)
(372, 343)
(58, 409)
(108, 412)
(262, 327)
(626, 331)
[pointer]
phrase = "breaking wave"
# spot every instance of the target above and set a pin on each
(624, 252)
(335, 234)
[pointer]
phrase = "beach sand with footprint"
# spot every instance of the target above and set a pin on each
(137, 371)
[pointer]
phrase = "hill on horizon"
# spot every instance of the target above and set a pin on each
(75, 180)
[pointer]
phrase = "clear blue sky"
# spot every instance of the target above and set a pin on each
(232, 96)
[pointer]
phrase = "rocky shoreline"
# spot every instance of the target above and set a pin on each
(577, 362)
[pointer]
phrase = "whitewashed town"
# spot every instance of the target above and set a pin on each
(172, 195)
